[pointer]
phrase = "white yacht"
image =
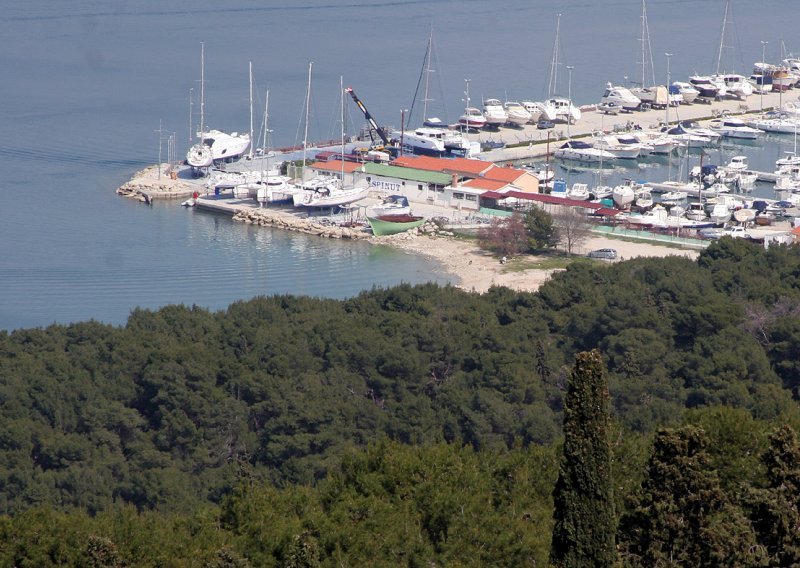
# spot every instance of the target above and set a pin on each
(732, 127)
(561, 108)
(217, 146)
(611, 144)
(735, 85)
(423, 140)
(494, 113)
(660, 143)
(687, 91)
(582, 151)
(534, 109)
(517, 114)
(621, 97)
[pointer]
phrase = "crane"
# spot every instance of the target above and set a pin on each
(381, 132)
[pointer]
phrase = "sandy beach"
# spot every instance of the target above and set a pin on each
(478, 270)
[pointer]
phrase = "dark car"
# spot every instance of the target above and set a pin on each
(608, 254)
(545, 124)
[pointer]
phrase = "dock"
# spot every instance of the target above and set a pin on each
(525, 144)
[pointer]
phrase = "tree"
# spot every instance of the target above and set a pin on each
(506, 236)
(776, 509)
(583, 534)
(573, 228)
(681, 516)
(542, 232)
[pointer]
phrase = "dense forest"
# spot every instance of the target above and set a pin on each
(416, 425)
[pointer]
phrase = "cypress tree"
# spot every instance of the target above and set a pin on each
(682, 517)
(583, 534)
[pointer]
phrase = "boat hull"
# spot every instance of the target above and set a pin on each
(384, 225)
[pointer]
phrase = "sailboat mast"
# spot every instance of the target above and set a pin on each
(722, 35)
(427, 76)
(251, 109)
(202, 89)
(308, 100)
(552, 85)
(341, 120)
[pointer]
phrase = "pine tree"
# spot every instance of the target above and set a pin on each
(682, 517)
(583, 534)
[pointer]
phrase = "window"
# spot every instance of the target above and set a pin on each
(419, 186)
(458, 195)
(470, 197)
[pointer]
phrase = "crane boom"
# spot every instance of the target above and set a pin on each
(381, 132)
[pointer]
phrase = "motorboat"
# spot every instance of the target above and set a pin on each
(624, 194)
(719, 214)
(609, 143)
(621, 97)
(216, 146)
(708, 87)
(737, 163)
(656, 96)
(626, 139)
(791, 159)
(675, 96)
(673, 197)
(561, 108)
(582, 151)
(494, 113)
(694, 128)
(687, 138)
(732, 127)
(659, 217)
(735, 85)
(391, 205)
(472, 118)
(660, 143)
(424, 140)
(687, 91)
(644, 199)
(791, 109)
(534, 109)
(517, 114)
(579, 192)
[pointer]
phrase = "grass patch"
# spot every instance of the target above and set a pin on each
(542, 262)
(666, 244)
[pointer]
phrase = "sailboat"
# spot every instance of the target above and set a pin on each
(433, 137)
(328, 191)
(214, 145)
(654, 95)
(557, 107)
(735, 85)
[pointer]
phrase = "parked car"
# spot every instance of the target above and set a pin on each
(545, 124)
(608, 254)
(711, 233)
(736, 231)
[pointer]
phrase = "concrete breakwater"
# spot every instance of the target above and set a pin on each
(157, 182)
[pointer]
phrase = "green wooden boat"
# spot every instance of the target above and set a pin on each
(383, 225)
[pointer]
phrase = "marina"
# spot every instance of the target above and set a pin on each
(98, 97)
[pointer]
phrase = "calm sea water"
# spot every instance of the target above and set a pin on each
(88, 85)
